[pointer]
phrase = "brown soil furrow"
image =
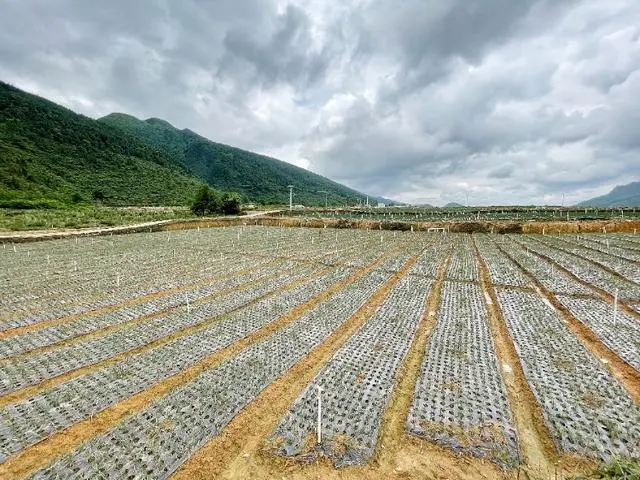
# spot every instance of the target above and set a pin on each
(33, 389)
(534, 437)
(628, 377)
(224, 455)
(120, 326)
(599, 291)
(127, 303)
(63, 442)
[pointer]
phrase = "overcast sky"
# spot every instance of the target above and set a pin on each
(506, 101)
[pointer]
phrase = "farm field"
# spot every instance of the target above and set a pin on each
(466, 214)
(266, 352)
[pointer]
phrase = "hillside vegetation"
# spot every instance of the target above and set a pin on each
(51, 156)
(621, 196)
(258, 178)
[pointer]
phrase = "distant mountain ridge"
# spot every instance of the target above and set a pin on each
(621, 196)
(51, 156)
(257, 177)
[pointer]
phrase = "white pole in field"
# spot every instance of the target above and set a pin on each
(290, 197)
(615, 307)
(319, 427)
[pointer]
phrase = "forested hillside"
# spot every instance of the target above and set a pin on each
(51, 156)
(259, 178)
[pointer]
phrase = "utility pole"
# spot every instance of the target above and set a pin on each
(326, 202)
(290, 197)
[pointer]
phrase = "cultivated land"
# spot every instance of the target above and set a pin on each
(198, 354)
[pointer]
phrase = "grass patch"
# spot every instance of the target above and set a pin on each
(618, 469)
(12, 219)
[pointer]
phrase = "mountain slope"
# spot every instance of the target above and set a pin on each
(621, 196)
(259, 178)
(51, 154)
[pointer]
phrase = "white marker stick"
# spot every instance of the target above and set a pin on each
(319, 428)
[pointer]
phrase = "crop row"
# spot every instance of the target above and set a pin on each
(138, 266)
(625, 242)
(617, 330)
(433, 256)
(460, 399)
(585, 270)
(33, 419)
(606, 245)
(154, 442)
(80, 297)
(625, 268)
(357, 383)
(25, 342)
(585, 408)
(501, 269)
(463, 264)
(23, 371)
(552, 278)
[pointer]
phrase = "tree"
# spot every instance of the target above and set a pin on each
(203, 201)
(230, 203)
(209, 202)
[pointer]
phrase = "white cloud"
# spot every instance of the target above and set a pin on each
(423, 100)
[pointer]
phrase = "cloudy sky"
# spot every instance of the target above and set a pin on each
(503, 101)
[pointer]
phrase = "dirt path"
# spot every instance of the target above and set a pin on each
(38, 235)
(536, 444)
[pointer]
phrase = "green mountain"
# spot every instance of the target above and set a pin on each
(257, 177)
(453, 205)
(621, 196)
(50, 155)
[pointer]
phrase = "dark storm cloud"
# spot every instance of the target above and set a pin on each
(420, 100)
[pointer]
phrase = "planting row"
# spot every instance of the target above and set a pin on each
(463, 265)
(545, 272)
(460, 399)
(584, 270)
(628, 269)
(617, 330)
(54, 334)
(23, 371)
(357, 383)
(585, 408)
(34, 418)
(501, 268)
(59, 272)
(154, 442)
(606, 245)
